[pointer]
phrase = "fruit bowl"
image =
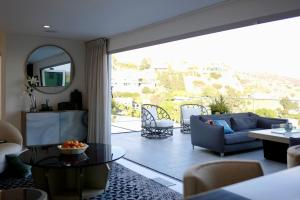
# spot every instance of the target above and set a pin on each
(72, 147)
(69, 151)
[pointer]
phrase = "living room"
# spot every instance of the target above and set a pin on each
(76, 33)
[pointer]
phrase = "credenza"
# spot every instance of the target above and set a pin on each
(43, 128)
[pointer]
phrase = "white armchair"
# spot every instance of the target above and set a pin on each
(186, 111)
(13, 144)
(156, 122)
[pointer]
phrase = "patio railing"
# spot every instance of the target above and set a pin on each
(130, 121)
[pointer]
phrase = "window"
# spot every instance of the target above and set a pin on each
(255, 68)
(54, 76)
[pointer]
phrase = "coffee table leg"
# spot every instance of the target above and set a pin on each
(80, 183)
(275, 151)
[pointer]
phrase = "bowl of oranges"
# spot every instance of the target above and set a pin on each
(72, 147)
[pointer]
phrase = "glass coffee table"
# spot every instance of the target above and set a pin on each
(71, 176)
(275, 142)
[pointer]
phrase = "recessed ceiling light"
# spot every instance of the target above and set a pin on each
(47, 26)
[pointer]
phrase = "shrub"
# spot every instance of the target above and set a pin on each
(266, 112)
(219, 106)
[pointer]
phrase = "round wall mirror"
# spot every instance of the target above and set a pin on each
(52, 67)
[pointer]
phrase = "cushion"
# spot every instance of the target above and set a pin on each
(16, 167)
(267, 122)
(7, 148)
(242, 123)
(153, 112)
(238, 137)
(163, 123)
(210, 122)
(186, 121)
(227, 129)
(187, 112)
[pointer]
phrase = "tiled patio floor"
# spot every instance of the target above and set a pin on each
(173, 155)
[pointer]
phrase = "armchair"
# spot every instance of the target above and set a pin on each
(156, 122)
(13, 142)
(186, 111)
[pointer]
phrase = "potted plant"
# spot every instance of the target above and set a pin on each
(219, 106)
(31, 84)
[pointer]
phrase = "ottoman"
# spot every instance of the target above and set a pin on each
(293, 156)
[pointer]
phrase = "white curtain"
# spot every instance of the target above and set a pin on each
(98, 91)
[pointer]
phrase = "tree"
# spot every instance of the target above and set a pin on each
(147, 90)
(266, 112)
(210, 91)
(115, 107)
(198, 83)
(215, 75)
(171, 80)
(287, 105)
(217, 86)
(114, 62)
(145, 64)
(237, 104)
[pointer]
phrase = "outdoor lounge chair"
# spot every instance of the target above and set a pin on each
(156, 122)
(186, 110)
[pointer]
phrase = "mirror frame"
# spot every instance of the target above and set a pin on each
(72, 69)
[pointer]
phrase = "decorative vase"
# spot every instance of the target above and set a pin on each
(32, 103)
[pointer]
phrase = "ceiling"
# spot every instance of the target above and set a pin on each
(44, 52)
(89, 19)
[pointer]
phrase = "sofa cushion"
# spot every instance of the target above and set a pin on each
(243, 123)
(7, 148)
(238, 137)
(227, 129)
(266, 123)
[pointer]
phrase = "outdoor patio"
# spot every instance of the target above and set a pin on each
(173, 155)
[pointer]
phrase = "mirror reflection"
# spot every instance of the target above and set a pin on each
(51, 66)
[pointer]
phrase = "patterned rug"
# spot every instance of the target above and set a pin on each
(123, 184)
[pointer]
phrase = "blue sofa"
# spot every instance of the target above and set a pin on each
(212, 137)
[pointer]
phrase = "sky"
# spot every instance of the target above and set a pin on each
(272, 47)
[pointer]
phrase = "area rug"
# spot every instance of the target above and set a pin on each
(123, 184)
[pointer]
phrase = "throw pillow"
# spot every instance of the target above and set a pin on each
(267, 122)
(16, 167)
(227, 129)
(210, 122)
(216, 117)
(243, 123)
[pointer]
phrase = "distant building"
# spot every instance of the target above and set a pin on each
(133, 80)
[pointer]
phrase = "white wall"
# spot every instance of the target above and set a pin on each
(225, 15)
(2, 74)
(18, 48)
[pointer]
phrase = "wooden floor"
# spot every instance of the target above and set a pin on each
(173, 155)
